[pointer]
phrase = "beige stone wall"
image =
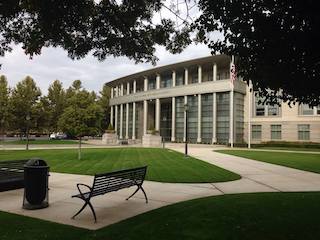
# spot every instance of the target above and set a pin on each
(289, 119)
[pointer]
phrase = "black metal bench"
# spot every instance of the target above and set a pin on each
(11, 174)
(110, 182)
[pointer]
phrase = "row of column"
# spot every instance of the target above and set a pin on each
(157, 108)
(119, 90)
(115, 109)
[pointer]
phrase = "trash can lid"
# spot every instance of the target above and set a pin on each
(36, 162)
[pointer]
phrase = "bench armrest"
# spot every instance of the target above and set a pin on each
(85, 185)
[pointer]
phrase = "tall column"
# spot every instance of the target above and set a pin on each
(158, 81)
(112, 92)
(128, 88)
(199, 74)
(214, 118)
(186, 76)
(111, 116)
(121, 121)
(145, 116)
(121, 90)
(173, 122)
(214, 72)
(127, 121)
(134, 86)
(145, 84)
(116, 119)
(185, 119)
(157, 114)
(199, 119)
(133, 121)
(173, 78)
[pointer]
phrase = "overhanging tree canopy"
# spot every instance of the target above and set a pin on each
(276, 41)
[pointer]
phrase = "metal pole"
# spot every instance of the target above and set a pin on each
(249, 115)
(186, 142)
(28, 121)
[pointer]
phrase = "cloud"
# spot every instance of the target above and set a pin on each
(53, 63)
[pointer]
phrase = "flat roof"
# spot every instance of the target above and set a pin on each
(222, 59)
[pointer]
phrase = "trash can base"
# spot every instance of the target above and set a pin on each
(29, 206)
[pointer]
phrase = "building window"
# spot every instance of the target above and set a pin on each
(303, 131)
(275, 132)
(262, 109)
(318, 110)
(305, 109)
(223, 113)
(256, 132)
(179, 78)
(259, 107)
(166, 81)
(273, 110)
(152, 83)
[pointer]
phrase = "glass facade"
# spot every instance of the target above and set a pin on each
(179, 119)
(193, 75)
(192, 118)
(124, 121)
(166, 120)
(118, 120)
(180, 78)
(152, 83)
(139, 119)
(166, 80)
(223, 113)
(239, 117)
(206, 117)
(130, 120)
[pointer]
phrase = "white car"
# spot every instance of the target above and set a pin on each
(58, 136)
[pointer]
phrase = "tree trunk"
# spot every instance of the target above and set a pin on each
(79, 149)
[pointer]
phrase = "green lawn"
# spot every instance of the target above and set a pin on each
(258, 216)
(163, 165)
(31, 142)
(290, 149)
(304, 161)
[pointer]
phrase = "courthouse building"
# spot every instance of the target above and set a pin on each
(197, 98)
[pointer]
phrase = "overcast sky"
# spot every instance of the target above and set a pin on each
(53, 63)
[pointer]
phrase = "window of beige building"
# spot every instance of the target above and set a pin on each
(256, 132)
(305, 109)
(303, 131)
(262, 109)
(276, 132)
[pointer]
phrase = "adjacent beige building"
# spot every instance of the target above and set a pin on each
(197, 101)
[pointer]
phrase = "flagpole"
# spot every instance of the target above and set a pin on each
(249, 114)
(232, 78)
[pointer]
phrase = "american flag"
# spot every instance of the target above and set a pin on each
(233, 73)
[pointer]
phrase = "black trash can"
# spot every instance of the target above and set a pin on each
(36, 176)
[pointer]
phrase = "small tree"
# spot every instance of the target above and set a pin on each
(83, 115)
(4, 103)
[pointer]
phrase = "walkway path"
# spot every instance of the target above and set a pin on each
(112, 208)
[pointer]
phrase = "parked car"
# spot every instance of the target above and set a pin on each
(57, 136)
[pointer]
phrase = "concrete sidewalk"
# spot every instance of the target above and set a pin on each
(112, 207)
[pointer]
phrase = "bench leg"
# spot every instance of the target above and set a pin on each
(87, 202)
(144, 193)
(83, 207)
(94, 214)
(133, 193)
